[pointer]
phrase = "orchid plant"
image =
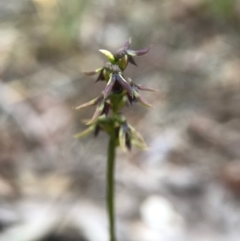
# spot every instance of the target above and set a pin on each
(119, 92)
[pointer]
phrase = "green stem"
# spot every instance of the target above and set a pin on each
(110, 185)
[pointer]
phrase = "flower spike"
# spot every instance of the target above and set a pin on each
(118, 92)
(124, 91)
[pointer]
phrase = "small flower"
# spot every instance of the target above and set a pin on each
(102, 107)
(125, 55)
(136, 95)
(104, 72)
(94, 127)
(117, 82)
(128, 136)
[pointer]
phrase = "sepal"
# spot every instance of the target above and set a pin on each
(93, 72)
(86, 132)
(140, 52)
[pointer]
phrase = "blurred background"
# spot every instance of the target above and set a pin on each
(186, 186)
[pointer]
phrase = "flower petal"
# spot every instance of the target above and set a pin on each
(122, 138)
(140, 144)
(109, 85)
(127, 44)
(141, 100)
(90, 103)
(101, 75)
(131, 60)
(97, 112)
(125, 84)
(92, 72)
(141, 87)
(135, 134)
(136, 138)
(108, 54)
(123, 49)
(86, 132)
(138, 52)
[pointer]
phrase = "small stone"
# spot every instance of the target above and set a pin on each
(159, 214)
